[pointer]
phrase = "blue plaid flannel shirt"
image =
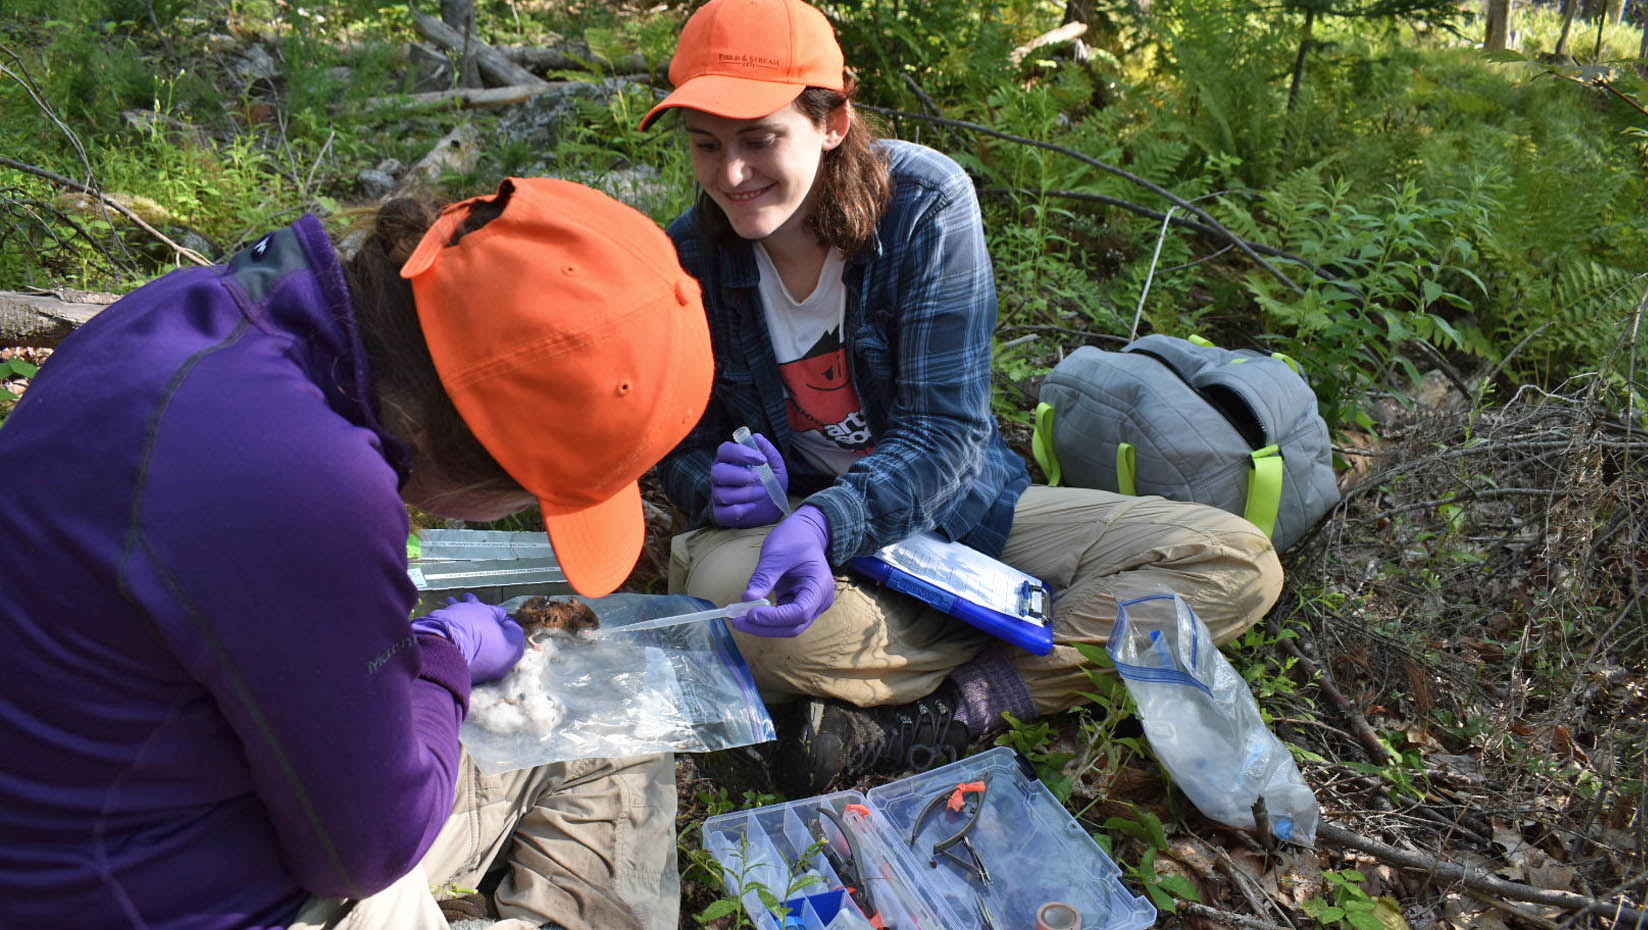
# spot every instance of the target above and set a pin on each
(921, 310)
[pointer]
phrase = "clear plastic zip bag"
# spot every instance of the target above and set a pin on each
(1203, 723)
(574, 696)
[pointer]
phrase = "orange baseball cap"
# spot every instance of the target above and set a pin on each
(743, 59)
(575, 348)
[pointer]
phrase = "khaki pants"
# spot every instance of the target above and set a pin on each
(875, 647)
(590, 846)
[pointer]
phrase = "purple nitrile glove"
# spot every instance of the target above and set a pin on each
(795, 571)
(490, 639)
(737, 497)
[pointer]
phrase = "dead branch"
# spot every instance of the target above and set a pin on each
(1228, 918)
(107, 201)
(467, 97)
(496, 68)
(1086, 159)
(43, 320)
(1064, 33)
(23, 78)
(1180, 221)
(541, 59)
(1479, 881)
(1376, 751)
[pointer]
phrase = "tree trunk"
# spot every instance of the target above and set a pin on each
(1569, 8)
(1299, 62)
(1499, 26)
(459, 15)
(1613, 10)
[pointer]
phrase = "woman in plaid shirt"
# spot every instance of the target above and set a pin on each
(852, 306)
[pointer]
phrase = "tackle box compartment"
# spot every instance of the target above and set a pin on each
(1032, 851)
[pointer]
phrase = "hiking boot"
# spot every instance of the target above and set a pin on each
(832, 740)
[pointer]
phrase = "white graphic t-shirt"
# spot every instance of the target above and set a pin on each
(824, 410)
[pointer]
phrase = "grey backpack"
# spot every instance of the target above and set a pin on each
(1190, 421)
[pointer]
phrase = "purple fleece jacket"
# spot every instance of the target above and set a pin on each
(212, 704)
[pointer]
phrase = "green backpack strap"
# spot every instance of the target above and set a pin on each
(1264, 488)
(1127, 469)
(1041, 444)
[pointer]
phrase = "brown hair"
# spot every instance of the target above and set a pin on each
(854, 184)
(407, 391)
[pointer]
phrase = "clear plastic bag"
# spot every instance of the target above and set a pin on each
(1203, 723)
(678, 688)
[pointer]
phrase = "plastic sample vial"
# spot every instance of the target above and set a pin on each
(763, 471)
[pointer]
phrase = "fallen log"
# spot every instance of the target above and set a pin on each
(454, 153)
(540, 59)
(467, 97)
(43, 320)
(495, 68)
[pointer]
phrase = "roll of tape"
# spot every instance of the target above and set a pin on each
(1057, 915)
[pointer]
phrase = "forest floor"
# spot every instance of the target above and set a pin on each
(1458, 659)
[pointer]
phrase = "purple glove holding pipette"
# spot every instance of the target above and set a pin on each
(794, 572)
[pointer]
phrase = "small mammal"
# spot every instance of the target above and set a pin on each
(566, 616)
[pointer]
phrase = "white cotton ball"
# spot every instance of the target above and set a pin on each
(517, 701)
(494, 714)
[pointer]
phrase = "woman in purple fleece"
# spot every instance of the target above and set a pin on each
(215, 713)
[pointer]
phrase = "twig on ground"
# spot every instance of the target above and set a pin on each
(1228, 917)
(1520, 913)
(1371, 744)
(1255, 897)
(1481, 881)
(104, 199)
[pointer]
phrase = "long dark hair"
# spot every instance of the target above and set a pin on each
(853, 182)
(407, 391)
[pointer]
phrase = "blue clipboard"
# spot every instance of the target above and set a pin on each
(968, 585)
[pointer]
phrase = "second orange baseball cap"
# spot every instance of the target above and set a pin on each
(743, 59)
(575, 348)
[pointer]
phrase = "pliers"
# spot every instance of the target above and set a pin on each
(955, 800)
(848, 868)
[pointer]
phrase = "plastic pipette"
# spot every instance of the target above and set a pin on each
(763, 471)
(731, 610)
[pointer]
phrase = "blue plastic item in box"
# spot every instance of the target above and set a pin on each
(1034, 851)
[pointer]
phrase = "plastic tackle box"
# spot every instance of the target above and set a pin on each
(975, 845)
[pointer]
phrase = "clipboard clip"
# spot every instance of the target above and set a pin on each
(1033, 603)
